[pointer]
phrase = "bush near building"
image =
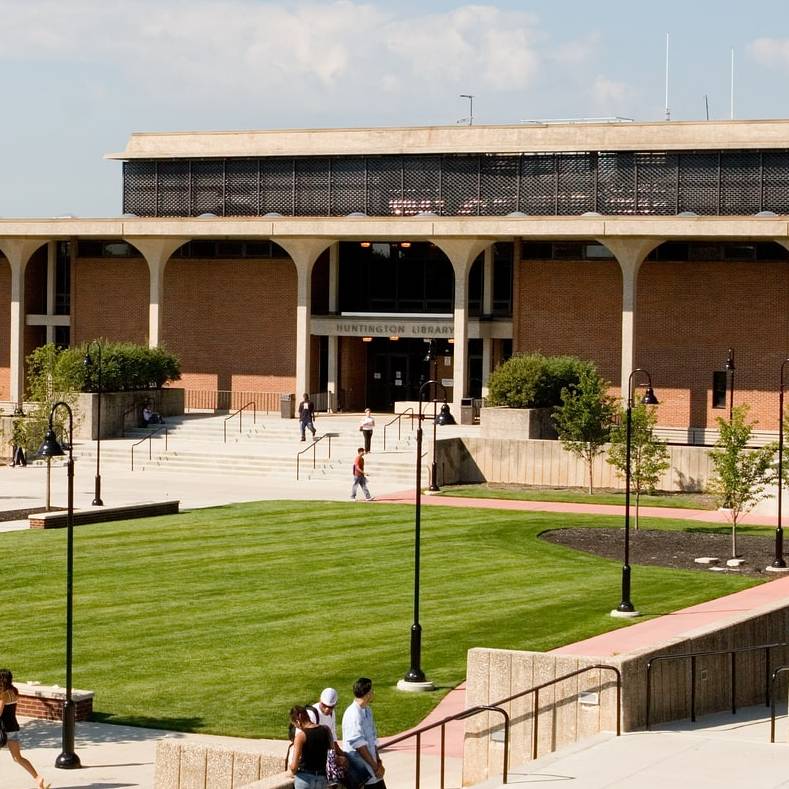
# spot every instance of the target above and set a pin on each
(532, 380)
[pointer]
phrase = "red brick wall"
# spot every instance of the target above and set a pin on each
(567, 307)
(52, 709)
(5, 327)
(690, 313)
(109, 299)
(232, 323)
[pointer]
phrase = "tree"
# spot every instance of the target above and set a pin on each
(648, 455)
(585, 417)
(741, 475)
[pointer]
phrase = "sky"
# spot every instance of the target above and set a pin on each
(77, 77)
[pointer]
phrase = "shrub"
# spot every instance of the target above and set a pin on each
(534, 381)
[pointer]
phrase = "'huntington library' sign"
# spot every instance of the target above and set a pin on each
(382, 327)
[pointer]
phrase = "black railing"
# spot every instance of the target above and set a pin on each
(692, 656)
(312, 447)
(150, 442)
(496, 706)
(779, 670)
(397, 421)
(239, 414)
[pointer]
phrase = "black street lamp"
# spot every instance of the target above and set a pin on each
(779, 561)
(730, 371)
(97, 502)
(415, 679)
(626, 607)
(68, 759)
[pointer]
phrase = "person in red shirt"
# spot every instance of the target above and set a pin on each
(359, 477)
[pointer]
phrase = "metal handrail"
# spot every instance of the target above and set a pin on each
(239, 415)
(312, 447)
(775, 673)
(693, 655)
(398, 419)
(148, 439)
(496, 707)
(468, 713)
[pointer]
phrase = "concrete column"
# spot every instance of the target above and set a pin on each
(487, 311)
(157, 252)
(303, 252)
(461, 253)
(18, 252)
(51, 272)
(332, 361)
(630, 253)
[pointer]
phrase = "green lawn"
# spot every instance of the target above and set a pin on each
(488, 490)
(219, 620)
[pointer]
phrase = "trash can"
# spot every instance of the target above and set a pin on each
(287, 406)
(466, 411)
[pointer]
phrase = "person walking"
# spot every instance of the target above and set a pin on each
(361, 736)
(366, 426)
(311, 743)
(359, 477)
(306, 416)
(8, 699)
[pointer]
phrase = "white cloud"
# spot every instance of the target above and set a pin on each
(610, 96)
(770, 51)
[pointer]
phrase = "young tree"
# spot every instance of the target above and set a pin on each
(648, 455)
(741, 475)
(585, 417)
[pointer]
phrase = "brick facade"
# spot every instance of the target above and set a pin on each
(232, 323)
(353, 373)
(5, 323)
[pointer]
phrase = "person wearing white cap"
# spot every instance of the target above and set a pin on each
(325, 709)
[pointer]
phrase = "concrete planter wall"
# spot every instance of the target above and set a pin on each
(518, 423)
(121, 410)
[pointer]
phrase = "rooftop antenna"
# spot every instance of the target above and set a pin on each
(470, 119)
(668, 111)
(707, 105)
(731, 113)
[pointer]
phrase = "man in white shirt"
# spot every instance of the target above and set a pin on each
(361, 737)
(326, 711)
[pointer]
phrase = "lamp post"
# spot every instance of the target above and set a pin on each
(730, 370)
(779, 562)
(626, 607)
(68, 759)
(415, 679)
(97, 502)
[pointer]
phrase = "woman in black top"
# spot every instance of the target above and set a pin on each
(310, 746)
(8, 698)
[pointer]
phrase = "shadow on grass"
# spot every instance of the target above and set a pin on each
(183, 724)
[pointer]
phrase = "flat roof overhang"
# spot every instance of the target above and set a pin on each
(502, 139)
(412, 228)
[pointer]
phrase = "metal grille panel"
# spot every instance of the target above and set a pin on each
(576, 192)
(172, 198)
(384, 186)
(741, 188)
(312, 186)
(645, 183)
(698, 183)
(276, 186)
(775, 183)
(616, 183)
(241, 192)
(349, 191)
(499, 185)
(656, 183)
(421, 184)
(538, 184)
(208, 188)
(460, 185)
(139, 188)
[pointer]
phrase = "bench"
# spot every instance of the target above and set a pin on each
(146, 509)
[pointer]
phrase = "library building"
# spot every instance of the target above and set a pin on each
(354, 264)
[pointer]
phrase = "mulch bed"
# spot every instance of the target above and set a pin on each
(673, 549)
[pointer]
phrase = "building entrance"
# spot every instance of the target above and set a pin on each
(397, 368)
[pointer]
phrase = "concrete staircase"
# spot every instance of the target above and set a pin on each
(266, 448)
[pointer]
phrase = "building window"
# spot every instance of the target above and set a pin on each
(63, 279)
(719, 389)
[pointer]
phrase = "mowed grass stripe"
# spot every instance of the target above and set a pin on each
(219, 620)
